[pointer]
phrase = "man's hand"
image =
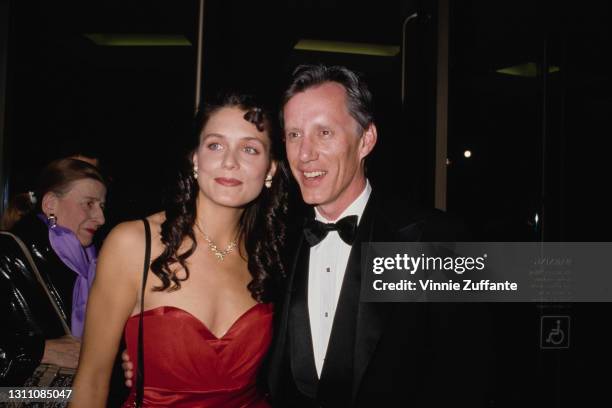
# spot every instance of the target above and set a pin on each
(128, 368)
(63, 351)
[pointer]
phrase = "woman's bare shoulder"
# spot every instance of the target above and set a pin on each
(123, 249)
(128, 238)
(128, 234)
(132, 232)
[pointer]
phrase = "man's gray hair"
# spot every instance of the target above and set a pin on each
(358, 96)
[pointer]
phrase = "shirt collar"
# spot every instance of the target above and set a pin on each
(356, 207)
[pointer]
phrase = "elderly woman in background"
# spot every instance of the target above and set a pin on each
(44, 284)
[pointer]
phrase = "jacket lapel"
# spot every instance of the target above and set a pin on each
(371, 316)
(301, 353)
(279, 353)
(357, 326)
(337, 373)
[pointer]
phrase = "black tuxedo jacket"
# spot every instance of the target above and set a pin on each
(379, 354)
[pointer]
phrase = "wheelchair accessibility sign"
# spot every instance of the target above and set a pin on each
(555, 332)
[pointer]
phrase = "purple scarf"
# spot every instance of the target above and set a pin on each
(82, 261)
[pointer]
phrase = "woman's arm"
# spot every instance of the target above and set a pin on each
(112, 299)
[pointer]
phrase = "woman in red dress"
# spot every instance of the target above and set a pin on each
(207, 316)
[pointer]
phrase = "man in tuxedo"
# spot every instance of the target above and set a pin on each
(330, 348)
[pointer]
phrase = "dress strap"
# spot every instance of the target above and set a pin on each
(145, 272)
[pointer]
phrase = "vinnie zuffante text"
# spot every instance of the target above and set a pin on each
(458, 265)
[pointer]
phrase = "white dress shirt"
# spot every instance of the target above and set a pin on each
(326, 269)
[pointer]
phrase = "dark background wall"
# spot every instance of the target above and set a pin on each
(534, 139)
(538, 140)
(128, 105)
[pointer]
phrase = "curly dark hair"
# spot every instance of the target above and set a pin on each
(262, 224)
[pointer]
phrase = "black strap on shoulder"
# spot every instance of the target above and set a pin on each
(145, 272)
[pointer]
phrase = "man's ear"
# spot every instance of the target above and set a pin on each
(49, 203)
(368, 140)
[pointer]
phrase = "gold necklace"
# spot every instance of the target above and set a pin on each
(213, 247)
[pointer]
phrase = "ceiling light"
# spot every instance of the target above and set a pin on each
(139, 40)
(348, 48)
(528, 70)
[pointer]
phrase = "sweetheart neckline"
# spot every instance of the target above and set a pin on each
(245, 313)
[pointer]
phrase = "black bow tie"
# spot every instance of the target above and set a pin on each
(315, 231)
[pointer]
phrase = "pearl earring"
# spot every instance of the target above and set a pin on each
(268, 181)
(195, 172)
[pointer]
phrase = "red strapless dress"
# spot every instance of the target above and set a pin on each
(186, 366)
